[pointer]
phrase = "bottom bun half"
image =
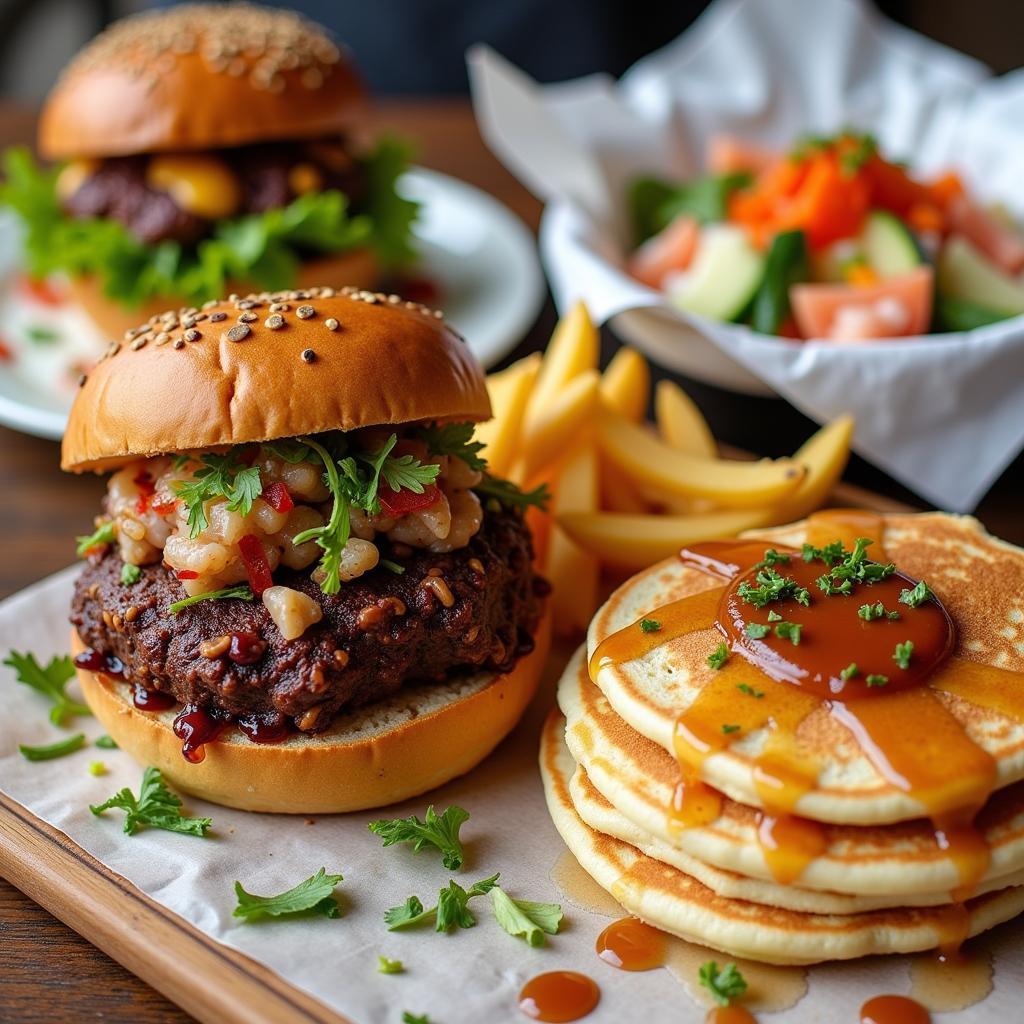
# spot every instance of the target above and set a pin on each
(357, 267)
(380, 754)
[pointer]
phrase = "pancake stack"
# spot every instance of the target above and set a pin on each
(802, 827)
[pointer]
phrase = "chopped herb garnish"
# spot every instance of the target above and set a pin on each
(415, 1018)
(770, 586)
(789, 631)
(728, 728)
(130, 574)
(774, 616)
(50, 681)
(525, 918)
(719, 656)
(749, 690)
(830, 588)
(59, 749)
(510, 495)
(455, 439)
(849, 672)
(757, 630)
(97, 768)
(830, 554)
(918, 596)
(649, 625)
(315, 895)
(773, 557)
(386, 966)
(39, 334)
(106, 743)
(386, 563)
(876, 680)
(438, 830)
(241, 591)
(218, 476)
(870, 612)
(725, 985)
(103, 534)
(903, 654)
(854, 569)
(450, 911)
(156, 807)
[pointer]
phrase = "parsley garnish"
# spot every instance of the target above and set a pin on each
(439, 830)
(415, 1018)
(456, 440)
(450, 911)
(918, 596)
(849, 672)
(156, 807)
(103, 534)
(525, 918)
(50, 681)
(749, 690)
(870, 612)
(876, 680)
(774, 616)
(719, 656)
(789, 631)
(830, 554)
(855, 568)
(386, 966)
(512, 496)
(130, 574)
(757, 631)
(218, 476)
(725, 985)
(314, 895)
(649, 625)
(58, 749)
(903, 654)
(241, 590)
(773, 557)
(771, 586)
(728, 728)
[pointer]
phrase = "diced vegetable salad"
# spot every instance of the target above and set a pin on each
(829, 240)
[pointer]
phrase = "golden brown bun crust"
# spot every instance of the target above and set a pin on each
(348, 768)
(356, 267)
(178, 387)
(200, 76)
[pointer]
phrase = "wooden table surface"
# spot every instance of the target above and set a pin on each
(47, 972)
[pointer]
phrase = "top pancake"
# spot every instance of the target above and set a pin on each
(980, 581)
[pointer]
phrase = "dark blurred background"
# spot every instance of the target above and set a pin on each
(416, 47)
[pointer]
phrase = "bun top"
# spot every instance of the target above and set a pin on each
(199, 76)
(268, 366)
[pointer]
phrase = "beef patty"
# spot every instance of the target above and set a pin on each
(380, 631)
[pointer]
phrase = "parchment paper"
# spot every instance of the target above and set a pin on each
(471, 977)
(944, 415)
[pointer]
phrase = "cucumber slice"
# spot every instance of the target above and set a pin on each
(963, 315)
(787, 264)
(965, 274)
(723, 277)
(888, 245)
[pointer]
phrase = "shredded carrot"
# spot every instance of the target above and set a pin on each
(947, 188)
(860, 275)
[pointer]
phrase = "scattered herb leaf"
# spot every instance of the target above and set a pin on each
(51, 681)
(53, 750)
(749, 690)
(386, 966)
(97, 768)
(241, 591)
(438, 830)
(649, 625)
(918, 596)
(525, 918)
(106, 743)
(314, 895)
(719, 656)
(725, 984)
(156, 807)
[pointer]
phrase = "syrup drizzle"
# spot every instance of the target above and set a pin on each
(893, 1010)
(631, 945)
(559, 996)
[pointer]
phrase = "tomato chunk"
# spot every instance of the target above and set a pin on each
(256, 566)
(399, 503)
(277, 497)
(186, 574)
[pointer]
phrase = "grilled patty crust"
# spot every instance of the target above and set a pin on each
(380, 631)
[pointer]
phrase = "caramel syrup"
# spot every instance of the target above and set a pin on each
(730, 1015)
(893, 1010)
(944, 983)
(559, 996)
(580, 889)
(631, 945)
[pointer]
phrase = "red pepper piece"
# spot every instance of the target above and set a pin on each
(186, 574)
(399, 503)
(146, 487)
(165, 508)
(256, 565)
(41, 289)
(277, 497)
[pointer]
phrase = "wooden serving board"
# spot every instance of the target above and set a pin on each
(209, 980)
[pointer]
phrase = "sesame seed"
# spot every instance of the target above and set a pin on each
(275, 321)
(308, 355)
(305, 312)
(246, 304)
(279, 307)
(209, 304)
(82, 378)
(162, 338)
(138, 343)
(237, 333)
(247, 318)
(331, 324)
(192, 334)
(178, 343)
(216, 318)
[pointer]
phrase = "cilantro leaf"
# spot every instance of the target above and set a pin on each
(511, 495)
(855, 568)
(830, 554)
(451, 910)
(903, 653)
(773, 557)
(242, 591)
(524, 918)
(130, 574)
(725, 984)
(870, 612)
(918, 596)
(438, 830)
(456, 440)
(218, 476)
(50, 681)
(156, 807)
(314, 895)
(103, 534)
(770, 586)
(789, 631)
(387, 966)
(408, 914)
(757, 630)
(719, 656)
(58, 749)
(649, 626)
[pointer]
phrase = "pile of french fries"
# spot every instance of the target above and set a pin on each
(624, 495)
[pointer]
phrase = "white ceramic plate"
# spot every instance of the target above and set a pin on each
(479, 254)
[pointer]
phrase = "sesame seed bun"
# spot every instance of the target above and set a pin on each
(373, 756)
(268, 366)
(200, 76)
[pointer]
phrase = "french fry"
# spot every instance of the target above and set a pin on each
(509, 390)
(626, 384)
(573, 571)
(618, 492)
(824, 455)
(680, 421)
(637, 541)
(573, 349)
(561, 422)
(730, 484)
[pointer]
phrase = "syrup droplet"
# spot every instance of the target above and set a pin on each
(893, 1010)
(730, 1015)
(631, 945)
(559, 996)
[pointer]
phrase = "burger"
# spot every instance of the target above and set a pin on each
(204, 149)
(304, 592)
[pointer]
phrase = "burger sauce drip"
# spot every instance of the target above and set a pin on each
(104, 664)
(631, 945)
(195, 727)
(270, 728)
(903, 728)
(559, 996)
(893, 1010)
(153, 701)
